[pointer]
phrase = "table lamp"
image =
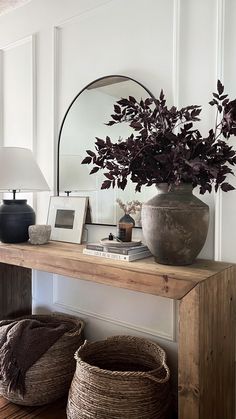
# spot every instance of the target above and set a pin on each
(18, 172)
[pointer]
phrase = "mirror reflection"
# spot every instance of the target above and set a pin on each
(84, 120)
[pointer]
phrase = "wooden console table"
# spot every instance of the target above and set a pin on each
(206, 290)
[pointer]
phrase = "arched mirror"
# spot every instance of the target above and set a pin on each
(84, 120)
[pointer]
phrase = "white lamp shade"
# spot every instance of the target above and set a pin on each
(20, 171)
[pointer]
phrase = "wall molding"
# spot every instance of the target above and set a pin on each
(31, 40)
(220, 41)
(34, 96)
(55, 94)
(107, 319)
(176, 51)
(58, 305)
(70, 19)
(34, 102)
(1, 97)
(34, 280)
(16, 43)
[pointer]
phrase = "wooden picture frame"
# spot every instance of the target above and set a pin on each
(66, 215)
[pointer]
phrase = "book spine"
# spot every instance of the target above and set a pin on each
(95, 247)
(126, 251)
(122, 251)
(140, 255)
(109, 255)
(115, 256)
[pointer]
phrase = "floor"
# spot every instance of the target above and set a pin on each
(9, 410)
(56, 410)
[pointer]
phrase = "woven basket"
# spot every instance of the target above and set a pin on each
(50, 377)
(122, 377)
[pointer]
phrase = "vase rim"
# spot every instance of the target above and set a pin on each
(182, 187)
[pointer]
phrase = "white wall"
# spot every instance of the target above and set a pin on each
(50, 49)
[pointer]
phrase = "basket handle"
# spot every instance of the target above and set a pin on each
(76, 356)
(159, 380)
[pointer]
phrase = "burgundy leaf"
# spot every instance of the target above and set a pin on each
(117, 109)
(165, 145)
(123, 102)
(132, 99)
(100, 142)
(226, 187)
(136, 125)
(106, 184)
(111, 123)
(116, 117)
(94, 170)
(148, 101)
(223, 97)
(90, 153)
(161, 95)
(225, 102)
(87, 160)
(220, 87)
(109, 176)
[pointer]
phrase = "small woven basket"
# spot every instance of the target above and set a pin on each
(50, 377)
(122, 377)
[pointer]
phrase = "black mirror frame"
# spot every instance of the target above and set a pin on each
(68, 109)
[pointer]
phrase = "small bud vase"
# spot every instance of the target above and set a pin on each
(175, 225)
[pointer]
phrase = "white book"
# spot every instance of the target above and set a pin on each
(129, 250)
(117, 256)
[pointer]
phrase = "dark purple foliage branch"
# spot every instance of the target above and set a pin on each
(165, 146)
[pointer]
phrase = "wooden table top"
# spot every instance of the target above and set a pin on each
(143, 275)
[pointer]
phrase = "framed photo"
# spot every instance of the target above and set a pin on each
(66, 215)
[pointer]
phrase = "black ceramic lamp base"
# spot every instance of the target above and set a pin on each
(15, 218)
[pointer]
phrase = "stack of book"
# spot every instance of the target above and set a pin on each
(127, 253)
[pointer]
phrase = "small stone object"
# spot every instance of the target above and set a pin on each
(39, 233)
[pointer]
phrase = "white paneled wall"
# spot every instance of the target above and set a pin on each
(18, 95)
(18, 110)
(83, 46)
(57, 47)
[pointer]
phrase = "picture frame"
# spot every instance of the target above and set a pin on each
(66, 215)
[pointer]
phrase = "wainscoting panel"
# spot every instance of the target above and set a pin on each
(152, 315)
(228, 204)
(75, 55)
(18, 92)
(18, 96)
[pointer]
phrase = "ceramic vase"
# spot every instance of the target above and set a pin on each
(175, 225)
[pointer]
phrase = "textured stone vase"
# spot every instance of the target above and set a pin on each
(175, 225)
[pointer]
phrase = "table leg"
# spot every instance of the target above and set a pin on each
(207, 349)
(15, 291)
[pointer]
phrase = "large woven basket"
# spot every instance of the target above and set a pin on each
(50, 377)
(122, 377)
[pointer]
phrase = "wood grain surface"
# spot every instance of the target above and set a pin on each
(15, 291)
(9, 410)
(207, 291)
(207, 349)
(143, 275)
